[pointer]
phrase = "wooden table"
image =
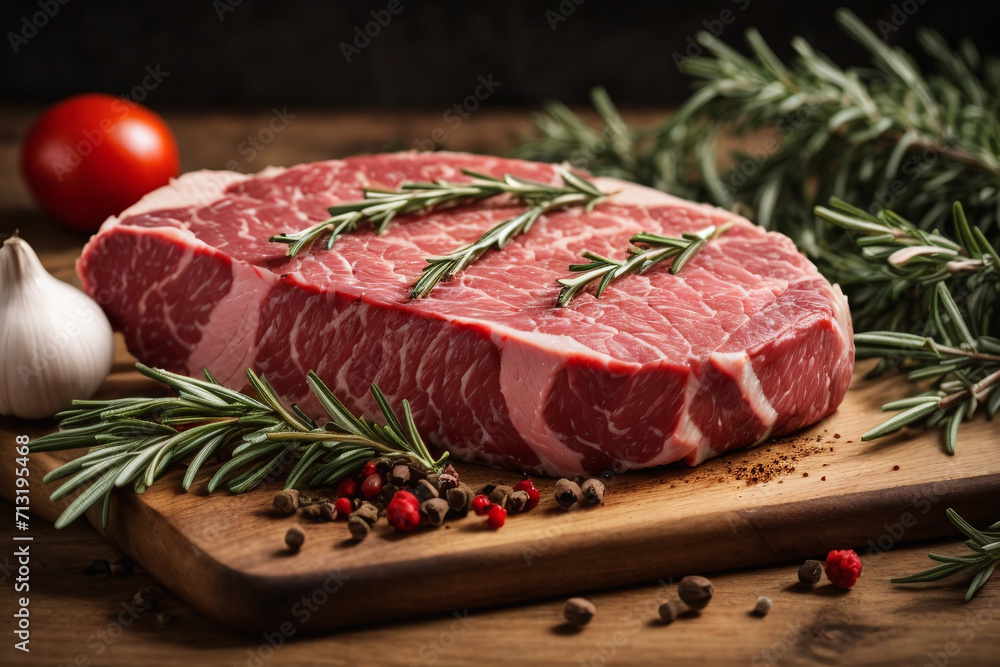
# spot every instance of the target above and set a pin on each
(77, 619)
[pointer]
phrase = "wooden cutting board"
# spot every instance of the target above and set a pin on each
(787, 499)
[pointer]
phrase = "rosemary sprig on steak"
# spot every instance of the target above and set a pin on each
(649, 250)
(135, 440)
(380, 206)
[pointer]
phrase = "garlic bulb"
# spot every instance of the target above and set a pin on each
(55, 342)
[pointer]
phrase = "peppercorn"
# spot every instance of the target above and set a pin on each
(528, 487)
(434, 509)
(311, 512)
(146, 598)
(579, 611)
(501, 494)
(459, 499)
(843, 567)
(518, 502)
(763, 606)
(670, 610)
(359, 527)
(424, 490)
(404, 511)
(343, 507)
(567, 493)
(593, 492)
(481, 505)
(287, 501)
(448, 479)
(810, 572)
(372, 486)
(294, 538)
(400, 475)
(327, 511)
(347, 488)
(496, 517)
(367, 512)
(696, 592)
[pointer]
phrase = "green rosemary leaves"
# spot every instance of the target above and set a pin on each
(135, 440)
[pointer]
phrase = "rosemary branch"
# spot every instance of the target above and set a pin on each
(985, 545)
(380, 207)
(135, 440)
(653, 250)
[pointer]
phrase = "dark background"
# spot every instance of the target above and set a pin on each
(428, 56)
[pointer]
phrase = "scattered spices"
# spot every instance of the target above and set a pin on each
(843, 567)
(810, 572)
(579, 611)
(528, 487)
(696, 592)
(496, 517)
(327, 511)
(400, 475)
(287, 501)
(770, 464)
(895, 467)
(448, 479)
(311, 512)
(763, 606)
(358, 527)
(481, 504)
(146, 598)
(500, 495)
(404, 511)
(372, 486)
(823, 478)
(294, 538)
(343, 507)
(366, 512)
(592, 491)
(670, 610)
(435, 510)
(460, 498)
(425, 490)
(567, 493)
(518, 502)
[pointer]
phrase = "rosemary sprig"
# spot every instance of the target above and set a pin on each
(380, 206)
(649, 250)
(577, 191)
(985, 545)
(135, 440)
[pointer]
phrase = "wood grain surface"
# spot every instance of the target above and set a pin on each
(226, 556)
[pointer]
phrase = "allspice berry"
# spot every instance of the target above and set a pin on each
(460, 498)
(312, 512)
(294, 538)
(287, 501)
(327, 511)
(434, 509)
(567, 493)
(500, 495)
(359, 527)
(763, 606)
(696, 592)
(810, 572)
(670, 610)
(367, 513)
(592, 491)
(579, 611)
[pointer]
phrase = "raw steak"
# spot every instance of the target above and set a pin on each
(748, 341)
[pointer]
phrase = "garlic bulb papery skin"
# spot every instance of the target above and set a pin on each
(56, 343)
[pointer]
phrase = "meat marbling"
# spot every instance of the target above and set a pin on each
(748, 341)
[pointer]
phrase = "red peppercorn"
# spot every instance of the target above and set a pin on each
(404, 511)
(481, 504)
(528, 486)
(843, 567)
(368, 470)
(496, 517)
(372, 486)
(347, 488)
(343, 507)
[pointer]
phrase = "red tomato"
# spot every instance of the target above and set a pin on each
(92, 156)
